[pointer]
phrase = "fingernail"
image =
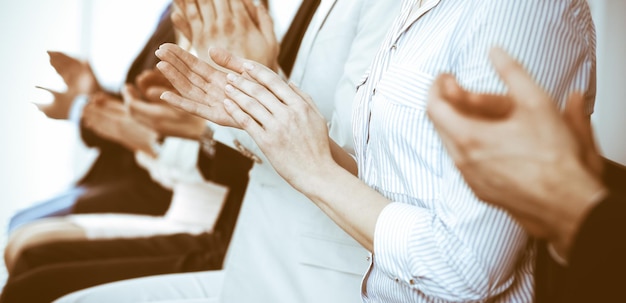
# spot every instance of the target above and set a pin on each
(231, 77)
(248, 66)
(229, 88)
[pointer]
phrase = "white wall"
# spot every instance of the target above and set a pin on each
(610, 112)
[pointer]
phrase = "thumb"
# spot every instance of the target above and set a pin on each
(579, 122)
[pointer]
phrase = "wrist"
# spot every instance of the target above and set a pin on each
(577, 193)
(315, 181)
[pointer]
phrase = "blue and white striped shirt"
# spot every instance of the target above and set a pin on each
(439, 243)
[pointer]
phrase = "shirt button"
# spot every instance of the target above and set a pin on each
(368, 258)
(394, 46)
(412, 282)
(396, 279)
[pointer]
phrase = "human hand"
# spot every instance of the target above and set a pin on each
(282, 120)
(111, 119)
(200, 86)
(236, 25)
(162, 117)
(151, 84)
(77, 76)
(517, 152)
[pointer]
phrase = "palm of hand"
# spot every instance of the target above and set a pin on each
(200, 86)
(111, 119)
(77, 76)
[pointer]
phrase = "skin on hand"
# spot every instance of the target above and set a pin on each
(146, 106)
(111, 119)
(151, 84)
(293, 134)
(200, 86)
(163, 118)
(275, 115)
(518, 153)
(237, 25)
(79, 79)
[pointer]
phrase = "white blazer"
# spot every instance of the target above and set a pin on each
(284, 248)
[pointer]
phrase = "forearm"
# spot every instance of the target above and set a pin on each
(348, 201)
(343, 158)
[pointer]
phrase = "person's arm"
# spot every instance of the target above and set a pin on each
(548, 182)
(237, 25)
(597, 264)
(79, 79)
(452, 242)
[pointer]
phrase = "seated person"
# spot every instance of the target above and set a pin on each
(548, 175)
(115, 182)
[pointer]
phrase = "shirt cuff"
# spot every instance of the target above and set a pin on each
(76, 111)
(392, 238)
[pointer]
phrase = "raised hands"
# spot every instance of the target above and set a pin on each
(79, 79)
(110, 118)
(518, 152)
(200, 86)
(236, 25)
(282, 120)
(156, 114)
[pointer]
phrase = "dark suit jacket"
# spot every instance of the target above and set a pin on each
(598, 257)
(115, 182)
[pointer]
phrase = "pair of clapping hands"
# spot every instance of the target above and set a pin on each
(136, 121)
(515, 151)
(141, 118)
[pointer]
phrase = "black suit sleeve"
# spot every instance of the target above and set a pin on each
(598, 256)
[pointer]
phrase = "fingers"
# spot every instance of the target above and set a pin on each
(305, 97)
(53, 92)
(266, 24)
(579, 122)
(242, 119)
(201, 110)
(191, 10)
(182, 68)
(226, 59)
(151, 78)
(444, 115)
(60, 60)
(130, 93)
(251, 8)
(575, 116)
(486, 106)
(251, 105)
(182, 25)
(520, 84)
(222, 9)
(154, 93)
(146, 113)
(207, 11)
(272, 81)
(248, 94)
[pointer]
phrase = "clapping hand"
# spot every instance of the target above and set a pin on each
(79, 79)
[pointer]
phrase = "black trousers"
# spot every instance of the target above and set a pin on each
(47, 272)
(56, 269)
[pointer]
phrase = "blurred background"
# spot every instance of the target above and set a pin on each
(40, 157)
